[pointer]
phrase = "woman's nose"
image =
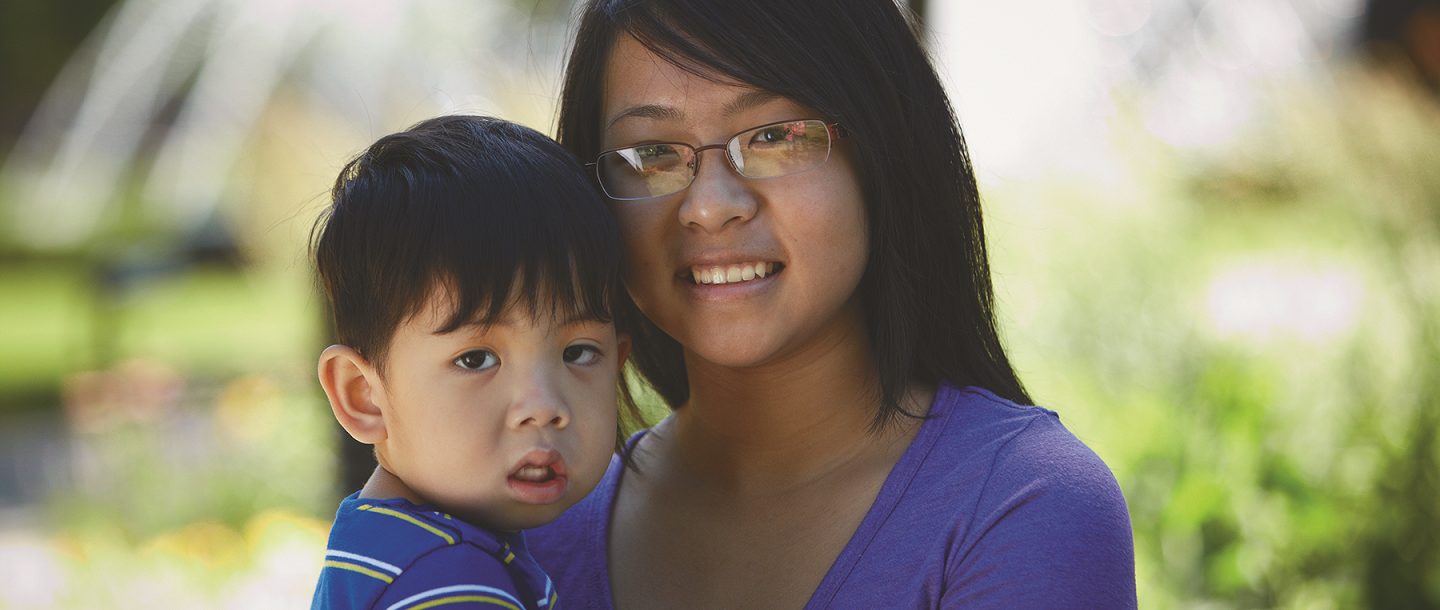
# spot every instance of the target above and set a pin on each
(717, 196)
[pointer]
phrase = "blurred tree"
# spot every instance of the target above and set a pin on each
(36, 38)
(1403, 570)
(1409, 29)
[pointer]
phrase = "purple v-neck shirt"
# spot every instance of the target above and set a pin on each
(993, 505)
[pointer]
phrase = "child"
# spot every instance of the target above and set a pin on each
(472, 269)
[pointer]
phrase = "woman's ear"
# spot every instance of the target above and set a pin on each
(352, 386)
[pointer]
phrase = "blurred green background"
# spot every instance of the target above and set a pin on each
(1215, 229)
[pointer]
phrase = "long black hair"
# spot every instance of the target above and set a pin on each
(926, 292)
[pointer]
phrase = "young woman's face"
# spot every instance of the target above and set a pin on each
(808, 229)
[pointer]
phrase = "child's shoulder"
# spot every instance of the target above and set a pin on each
(398, 530)
(392, 550)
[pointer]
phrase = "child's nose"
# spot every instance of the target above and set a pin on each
(540, 405)
(543, 417)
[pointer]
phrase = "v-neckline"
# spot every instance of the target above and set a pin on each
(894, 487)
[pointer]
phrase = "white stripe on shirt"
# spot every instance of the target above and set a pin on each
(374, 562)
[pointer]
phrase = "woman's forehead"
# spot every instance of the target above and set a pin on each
(640, 85)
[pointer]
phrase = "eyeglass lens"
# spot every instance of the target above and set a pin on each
(768, 151)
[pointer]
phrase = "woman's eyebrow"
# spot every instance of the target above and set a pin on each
(753, 98)
(654, 112)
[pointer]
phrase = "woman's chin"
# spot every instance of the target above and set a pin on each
(731, 351)
(779, 342)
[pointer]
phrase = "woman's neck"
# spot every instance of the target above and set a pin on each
(790, 422)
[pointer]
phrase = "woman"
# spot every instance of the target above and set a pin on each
(804, 242)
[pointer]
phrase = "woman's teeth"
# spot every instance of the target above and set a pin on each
(731, 274)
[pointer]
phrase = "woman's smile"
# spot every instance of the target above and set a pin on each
(733, 274)
(741, 271)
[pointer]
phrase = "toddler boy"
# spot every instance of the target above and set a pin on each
(472, 268)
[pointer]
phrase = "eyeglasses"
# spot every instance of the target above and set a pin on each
(772, 150)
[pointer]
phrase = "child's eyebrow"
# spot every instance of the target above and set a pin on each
(574, 318)
(577, 318)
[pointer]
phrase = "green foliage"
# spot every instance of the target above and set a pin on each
(62, 317)
(40, 306)
(1250, 342)
(256, 446)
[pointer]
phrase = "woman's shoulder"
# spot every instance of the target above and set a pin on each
(1029, 501)
(993, 505)
(1015, 447)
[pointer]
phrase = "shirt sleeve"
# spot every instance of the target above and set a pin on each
(1051, 530)
(458, 577)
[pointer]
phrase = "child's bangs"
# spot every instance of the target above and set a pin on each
(536, 245)
(539, 291)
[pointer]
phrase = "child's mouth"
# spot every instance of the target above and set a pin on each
(535, 474)
(539, 478)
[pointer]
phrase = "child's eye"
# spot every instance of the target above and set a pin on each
(581, 354)
(476, 360)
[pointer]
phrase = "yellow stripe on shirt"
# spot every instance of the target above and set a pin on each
(361, 569)
(458, 599)
(399, 515)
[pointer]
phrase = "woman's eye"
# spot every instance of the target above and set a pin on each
(775, 135)
(769, 135)
(476, 360)
(655, 152)
(581, 354)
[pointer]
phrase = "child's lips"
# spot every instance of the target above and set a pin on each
(539, 477)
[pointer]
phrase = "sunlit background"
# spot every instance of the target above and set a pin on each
(1215, 228)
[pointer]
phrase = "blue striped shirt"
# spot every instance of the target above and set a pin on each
(393, 555)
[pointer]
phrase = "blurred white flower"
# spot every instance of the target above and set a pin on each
(30, 574)
(1261, 300)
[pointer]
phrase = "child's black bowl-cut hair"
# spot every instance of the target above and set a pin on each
(494, 212)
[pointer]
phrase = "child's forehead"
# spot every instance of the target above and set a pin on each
(543, 312)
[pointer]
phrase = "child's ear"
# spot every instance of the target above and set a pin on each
(353, 386)
(622, 350)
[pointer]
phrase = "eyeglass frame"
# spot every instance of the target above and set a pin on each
(835, 130)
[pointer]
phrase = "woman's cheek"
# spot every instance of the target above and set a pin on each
(643, 247)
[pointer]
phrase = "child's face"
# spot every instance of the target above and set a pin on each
(505, 426)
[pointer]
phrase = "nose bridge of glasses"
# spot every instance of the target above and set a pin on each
(732, 154)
